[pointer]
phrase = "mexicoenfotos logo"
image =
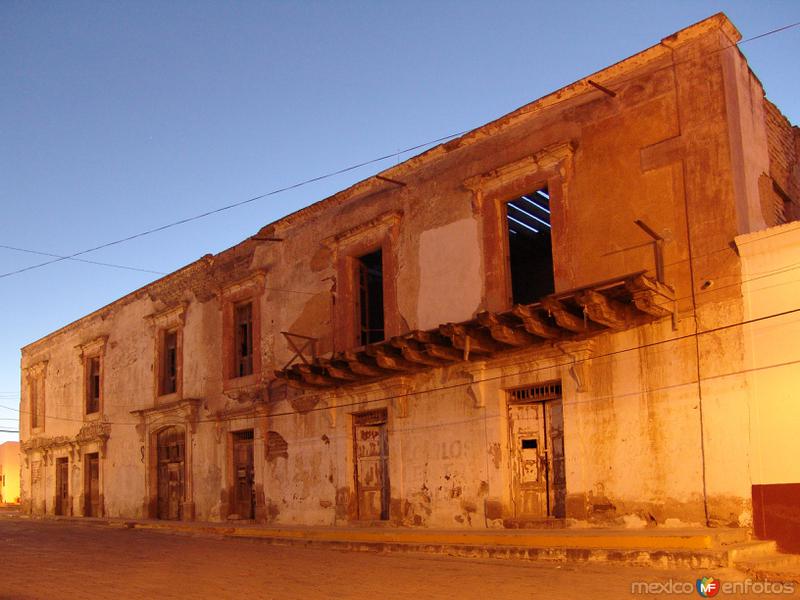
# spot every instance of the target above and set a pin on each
(708, 587)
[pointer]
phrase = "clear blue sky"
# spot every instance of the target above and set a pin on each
(116, 117)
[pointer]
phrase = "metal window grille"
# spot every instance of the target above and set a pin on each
(550, 390)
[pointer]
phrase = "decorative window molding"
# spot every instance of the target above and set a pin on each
(233, 297)
(380, 233)
(550, 167)
(35, 379)
(168, 353)
(92, 355)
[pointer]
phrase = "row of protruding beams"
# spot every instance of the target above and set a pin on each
(615, 306)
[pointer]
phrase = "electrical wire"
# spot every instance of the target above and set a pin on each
(549, 367)
(233, 205)
(83, 260)
(353, 167)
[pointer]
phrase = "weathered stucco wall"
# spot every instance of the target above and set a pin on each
(656, 417)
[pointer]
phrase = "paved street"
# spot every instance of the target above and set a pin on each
(47, 559)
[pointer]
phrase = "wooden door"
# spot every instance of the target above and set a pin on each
(528, 460)
(92, 485)
(62, 486)
(244, 474)
(538, 475)
(171, 442)
(372, 466)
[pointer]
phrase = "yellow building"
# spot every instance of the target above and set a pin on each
(9, 473)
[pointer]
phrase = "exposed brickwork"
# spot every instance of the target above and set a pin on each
(784, 165)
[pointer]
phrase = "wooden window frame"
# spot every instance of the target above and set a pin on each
(550, 167)
(164, 322)
(243, 339)
(36, 392)
(93, 350)
(250, 289)
(380, 233)
(90, 400)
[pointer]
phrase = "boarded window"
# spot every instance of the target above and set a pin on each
(529, 246)
(169, 363)
(92, 384)
(243, 355)
(370, 298)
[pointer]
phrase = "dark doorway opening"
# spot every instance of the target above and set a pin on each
(62, 487)
(530, 249)
(244, 496)
(370, 298)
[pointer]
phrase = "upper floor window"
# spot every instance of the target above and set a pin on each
(93, 387)
(241, 331)
(168, 382)
(35, 378)
(521, 207)
(35, 393)
(365, 307)
(530, 251)
(168, 358)
(92, 353)
(370, 297)
(243, 343)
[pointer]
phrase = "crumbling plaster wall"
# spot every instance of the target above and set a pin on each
(660, 139)
(660, 150)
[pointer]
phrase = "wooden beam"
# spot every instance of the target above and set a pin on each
(319, 380)
(469, 339)
(504, 331)
(444, 352)
(535, 323)
(563, 317)
(339, 370)
(361, 364)
(314, 375)
(605, 311)
(651, 297)
(389, 360)
(414, 352)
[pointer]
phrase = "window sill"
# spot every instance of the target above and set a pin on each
(234, 383)
(162, 399)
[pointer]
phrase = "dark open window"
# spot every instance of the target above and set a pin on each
(370, 297)
(169, 363)
(243, 324)
(92, 384)
(529, 246)
(37, 418)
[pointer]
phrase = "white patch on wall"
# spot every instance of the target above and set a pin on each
(450, 281)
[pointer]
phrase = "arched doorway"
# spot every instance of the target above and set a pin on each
(171, 443)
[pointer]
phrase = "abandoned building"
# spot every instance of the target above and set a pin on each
(583, 312)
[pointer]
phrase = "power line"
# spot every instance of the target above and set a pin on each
(83, 260)
(233, 205)
(548, 367)
(341, 171)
